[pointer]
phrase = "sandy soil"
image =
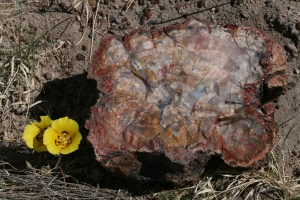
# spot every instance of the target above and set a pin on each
(69, 32)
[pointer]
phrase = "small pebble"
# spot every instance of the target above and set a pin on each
(234, 3)
(294, 153)
(123, 26)
(113, 32)
(123, 13)
(298, 26)
(269, 1)
(124, 19)
(147, 13)
(116, 6)
(30, 25)
(141, 2)
(12, 38)
(155, 1)
(117, 20)
(296, 71)
(84, 47)
(67, 73)
(292, 7)
(291, 48)
(49, 39)
(142, 20)
(70, 64)
(113, 27)
(92, 3)
(65, 45)
(152, 22)
(290, 59)
(201, 4)
(291, 85)
(244, 15)
(22, 38)
(78, 18)
(80, 57)
(48, 75)
(162, 7)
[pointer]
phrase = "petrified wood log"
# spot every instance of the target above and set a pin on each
(175, 96)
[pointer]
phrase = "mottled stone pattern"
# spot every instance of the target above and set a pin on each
(182, 94)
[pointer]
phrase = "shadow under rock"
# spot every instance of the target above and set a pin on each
(70, 97)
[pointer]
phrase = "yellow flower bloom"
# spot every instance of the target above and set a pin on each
(34, 133)
(63, 137)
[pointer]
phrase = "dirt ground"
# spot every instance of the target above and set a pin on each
(46, 47)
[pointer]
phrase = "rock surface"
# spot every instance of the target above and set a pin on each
(174, 97)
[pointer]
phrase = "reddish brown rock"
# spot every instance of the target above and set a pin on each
(175, 96)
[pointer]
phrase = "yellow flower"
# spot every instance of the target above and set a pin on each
(63, 137)
(34, 133)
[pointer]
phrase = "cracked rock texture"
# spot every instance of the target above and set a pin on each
(174, 97)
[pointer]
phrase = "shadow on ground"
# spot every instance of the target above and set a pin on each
(70, 97)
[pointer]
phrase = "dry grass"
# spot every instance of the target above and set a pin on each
(268, 182)
(17, 64)
(46, 184)
(22, 55)
(20, 78)
(20, 52)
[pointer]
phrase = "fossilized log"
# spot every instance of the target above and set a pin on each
(175, 96)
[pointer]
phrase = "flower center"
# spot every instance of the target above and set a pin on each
(63, 140)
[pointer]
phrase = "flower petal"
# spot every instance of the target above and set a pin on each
(44, 123)
(65, 124)
(37, 145)
(30, 133)
(41, 148)
(76, 139)
(53, 149)
(50, 135)
(57, 125)
(72, 127)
